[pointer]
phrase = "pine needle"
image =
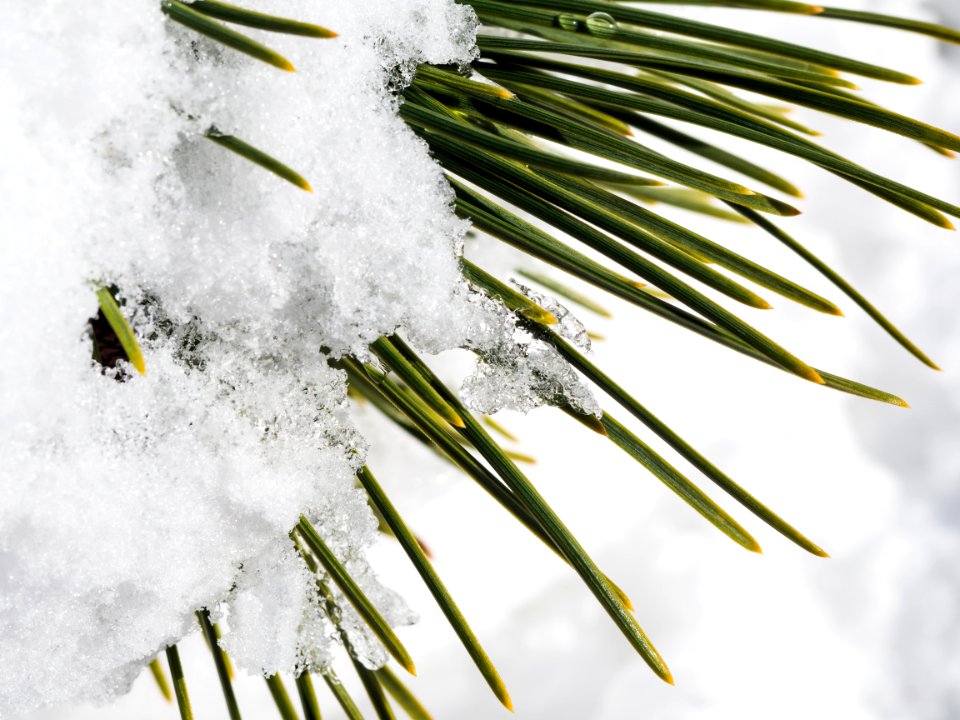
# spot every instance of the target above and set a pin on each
(184, 14)
(240, 16)
(258, 157)
(308, 697)
(160, 677)
(371, 683)
(361, 603)
(685, 450)
(179, 683)
(549, 521)
(220, 662)
(498, 428)
(120, 326)
(342, 696)
(281, 698)
(403, 697)
(434, 585)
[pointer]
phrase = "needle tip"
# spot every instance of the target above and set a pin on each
(813, 376)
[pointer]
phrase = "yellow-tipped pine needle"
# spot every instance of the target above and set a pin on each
(513, 300)
(551, 524)
(520, 457)
(184, 14)
(402, 695)
(160, 677)
(678, 444)
(258, 157)
(434, 584)
(498, 428)
(565, 291)
(669, 476)
(120, 326)
(361, 603)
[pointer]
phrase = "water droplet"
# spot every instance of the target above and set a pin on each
(568, 21)
(601, 23)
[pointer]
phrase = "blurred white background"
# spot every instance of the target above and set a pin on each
(873, 632)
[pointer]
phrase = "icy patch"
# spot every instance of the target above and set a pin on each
(568, 326)
(125, 506)
(525, 375)
(516, 371)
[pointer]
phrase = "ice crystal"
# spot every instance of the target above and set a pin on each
(568, 326)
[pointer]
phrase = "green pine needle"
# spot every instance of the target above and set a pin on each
(548, 520)
(160, 677)
(435, 585)
(281, 698)
(418, 413)
(240, 16)
(179, 683)
(258, 157)
(184, 14)
(343, 697)
(670, 477)
(361, 603)
(403, 697)
(220, 662)
(120, 326)
(371, 683)
(842, 284)
(308, 697)
(511, 299)
(686, 451)
(396, 362)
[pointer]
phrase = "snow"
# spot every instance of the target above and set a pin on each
(125, 506)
